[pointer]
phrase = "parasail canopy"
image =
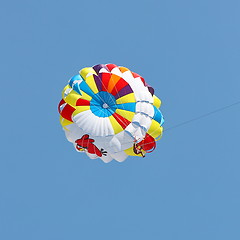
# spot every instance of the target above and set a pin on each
(109, 112)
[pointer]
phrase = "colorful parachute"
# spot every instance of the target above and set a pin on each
(110, 112)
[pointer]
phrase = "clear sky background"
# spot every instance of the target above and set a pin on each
(188, 188)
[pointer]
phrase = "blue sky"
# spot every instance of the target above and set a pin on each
(188, 188)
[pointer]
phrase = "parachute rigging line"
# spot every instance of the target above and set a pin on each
(202, 116)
